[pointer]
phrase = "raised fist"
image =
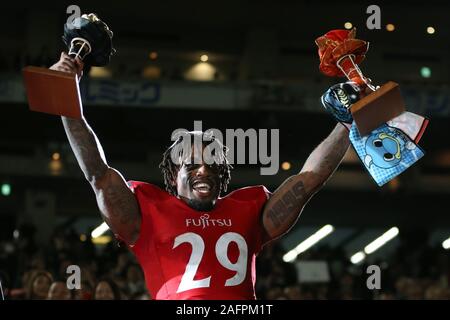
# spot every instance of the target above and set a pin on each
(68, 64)
(338, 99)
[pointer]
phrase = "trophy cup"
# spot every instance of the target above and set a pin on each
(340, 55)
(384, 136)
(55, 92)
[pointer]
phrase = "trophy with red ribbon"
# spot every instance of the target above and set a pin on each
(340, 54)
(384, 135)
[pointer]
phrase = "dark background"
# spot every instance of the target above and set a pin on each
(266, 46)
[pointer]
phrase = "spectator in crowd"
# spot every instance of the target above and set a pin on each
(38, 285)
(135, 280)
(59, 291)
(107, 289)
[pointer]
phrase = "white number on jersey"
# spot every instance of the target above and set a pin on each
(198, 247)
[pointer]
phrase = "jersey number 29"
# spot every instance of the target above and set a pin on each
(198, 247)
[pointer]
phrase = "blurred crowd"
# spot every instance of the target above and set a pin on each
(107, 273)
(110, 272)
(412, 272)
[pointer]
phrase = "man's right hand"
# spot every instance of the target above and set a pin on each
(69, 64)
(117, 202)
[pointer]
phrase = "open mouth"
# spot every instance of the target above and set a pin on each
(202, 187)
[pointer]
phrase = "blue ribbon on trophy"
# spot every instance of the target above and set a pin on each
(384, 135)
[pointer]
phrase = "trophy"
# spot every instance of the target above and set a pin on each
(55, 92)
(384, 135)
(340, 55)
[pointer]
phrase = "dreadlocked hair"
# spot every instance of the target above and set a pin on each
(169, 168)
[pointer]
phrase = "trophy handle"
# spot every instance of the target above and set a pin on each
(79, 47)
(353, 72)
(381, 105)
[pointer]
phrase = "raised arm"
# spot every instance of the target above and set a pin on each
(286, 204)
(117, 203)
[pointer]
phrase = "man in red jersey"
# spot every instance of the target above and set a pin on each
(191, 242)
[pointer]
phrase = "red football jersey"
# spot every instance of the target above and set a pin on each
(188, 254)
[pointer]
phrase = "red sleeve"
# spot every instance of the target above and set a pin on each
(145, 194)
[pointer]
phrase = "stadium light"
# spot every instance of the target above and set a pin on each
(153, 55)
(6, 189)
(425, 72)
(375, 245)
(381, 241)
(308, 243)
(446, 244)
(102, 240)
(390, 27)
(358, 257)
(286, 165)
(101, 229)
(56, 156)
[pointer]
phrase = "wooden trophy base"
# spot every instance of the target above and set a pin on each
(377, 108)
(53, 92)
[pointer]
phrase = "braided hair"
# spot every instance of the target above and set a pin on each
(170, 169)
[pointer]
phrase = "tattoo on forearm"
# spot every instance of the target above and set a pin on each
(327, 156)
(86, 148)
(288, 204)
(116, 201)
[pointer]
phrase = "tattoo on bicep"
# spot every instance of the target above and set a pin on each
(288, 204)
(120, 206)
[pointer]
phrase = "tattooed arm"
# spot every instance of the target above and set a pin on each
(285, 205)
(117, 203)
